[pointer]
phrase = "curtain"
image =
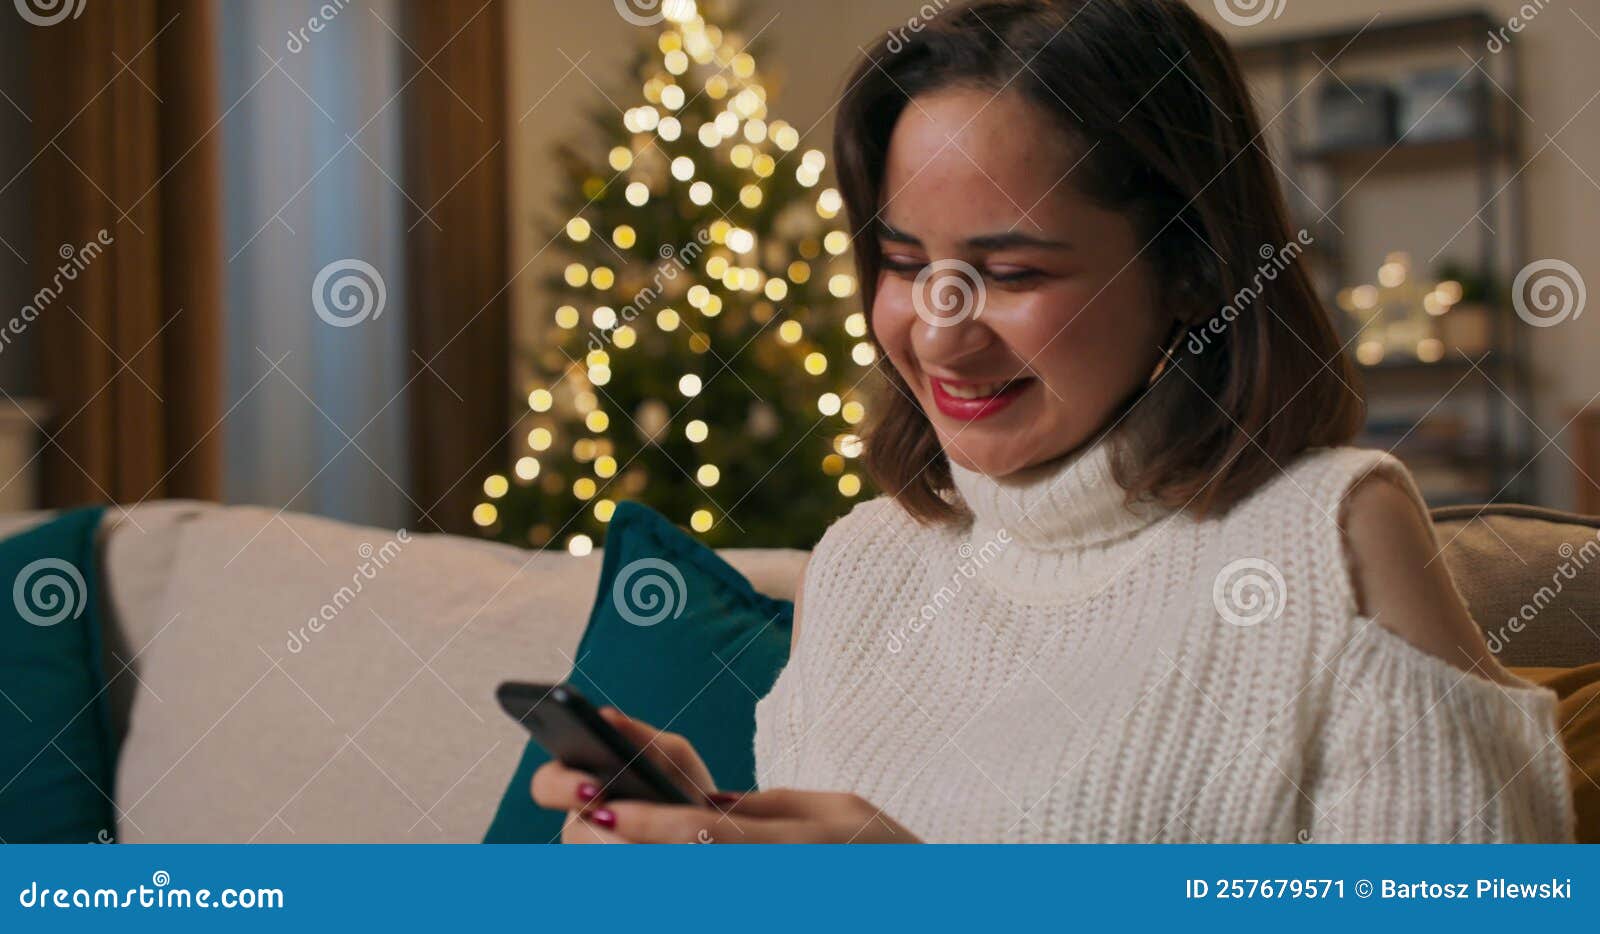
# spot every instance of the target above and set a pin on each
(457, 249)
(128, 258)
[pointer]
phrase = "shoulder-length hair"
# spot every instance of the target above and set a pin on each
(1171, 141)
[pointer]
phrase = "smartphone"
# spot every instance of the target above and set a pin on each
(571, 729)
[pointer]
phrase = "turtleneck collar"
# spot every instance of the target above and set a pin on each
(1062, 505)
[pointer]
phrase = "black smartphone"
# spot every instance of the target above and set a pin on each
(571, 729)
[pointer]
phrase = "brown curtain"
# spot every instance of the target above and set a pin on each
(126, 196)
(457, 254)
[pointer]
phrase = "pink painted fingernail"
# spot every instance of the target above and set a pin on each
(605, 817)
(588, 791)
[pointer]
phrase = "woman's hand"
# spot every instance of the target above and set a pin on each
(779, 816)
(782, 815)
(582, 795)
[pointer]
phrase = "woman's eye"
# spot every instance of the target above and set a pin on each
(1010, 275)
(901, 263)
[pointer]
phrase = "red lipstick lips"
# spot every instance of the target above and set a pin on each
(975, 407)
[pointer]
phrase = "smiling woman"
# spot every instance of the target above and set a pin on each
(1198, 617)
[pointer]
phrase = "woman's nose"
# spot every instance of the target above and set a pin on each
(949, 299)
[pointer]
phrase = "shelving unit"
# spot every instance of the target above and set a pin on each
(1488, 390)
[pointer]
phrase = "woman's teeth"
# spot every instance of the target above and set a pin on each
(973, 390)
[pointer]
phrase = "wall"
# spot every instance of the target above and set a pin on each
(551, 91)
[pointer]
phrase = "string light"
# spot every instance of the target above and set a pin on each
(829, 203)
(856, 325)
(696, 431)
(836, 242)
(776, 289)
(849, 484)
(667, 319)
(578, 229)
(580, 545)
(624, 337)
(624, 236)
(790, 331)
(495, 485)
(605, 466)
(602, 278)
(484, 514)
(828, 403)
(842, 285)
(853, 412)
(597, 421)
(672, 97)
(816, 364)
(584, 488)
(637, 193)
(540, 400)
(620, 158)
(527, 468)
(701, 521)
(799, 272)
(669, 129)
(540, 439)
(567, 317)
(683, 168)
(708, 475)
(604, 509)
(576, 274)
(604, 317)
(689, 385)
(700, 193)
(863, 354)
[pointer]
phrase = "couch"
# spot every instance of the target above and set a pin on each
(277, 677)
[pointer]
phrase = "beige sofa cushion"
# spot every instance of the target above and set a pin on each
(247, 723)
(1531, 578)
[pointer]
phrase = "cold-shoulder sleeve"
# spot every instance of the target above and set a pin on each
(1416, 750)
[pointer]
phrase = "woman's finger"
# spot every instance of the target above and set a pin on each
(559, 788)
(670, 752)
(641, 822)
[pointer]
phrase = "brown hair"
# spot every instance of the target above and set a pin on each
(1263, 376)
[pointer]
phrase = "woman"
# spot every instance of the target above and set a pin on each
(1127, 584)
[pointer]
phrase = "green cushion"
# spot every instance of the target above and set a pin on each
(677, 638)
(57, 756)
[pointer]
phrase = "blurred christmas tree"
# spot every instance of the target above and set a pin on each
(697, 355)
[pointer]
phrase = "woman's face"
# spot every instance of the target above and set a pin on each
(1028, 358)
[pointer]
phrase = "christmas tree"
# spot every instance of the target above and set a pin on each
(697, 355)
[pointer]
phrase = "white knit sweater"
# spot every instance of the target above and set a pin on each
(1063, 668)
